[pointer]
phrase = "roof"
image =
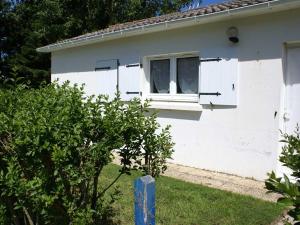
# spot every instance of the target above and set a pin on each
(177, 15)
(194, 13)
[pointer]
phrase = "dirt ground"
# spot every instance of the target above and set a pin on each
(228, 182)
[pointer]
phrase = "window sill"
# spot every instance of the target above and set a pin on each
(191, 98)
(180, 106)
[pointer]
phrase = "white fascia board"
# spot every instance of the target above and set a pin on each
(258, 9)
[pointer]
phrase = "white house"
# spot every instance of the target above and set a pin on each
(226, 77)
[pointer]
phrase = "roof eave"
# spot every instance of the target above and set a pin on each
(262, 8)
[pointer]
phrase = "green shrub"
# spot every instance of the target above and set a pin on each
(289, 188)
(54, 144)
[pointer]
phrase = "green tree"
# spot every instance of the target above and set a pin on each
(29, 24)
(54, 144)
(288, 188)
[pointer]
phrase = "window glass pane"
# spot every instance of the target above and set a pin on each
(187, 75)
(160, 76)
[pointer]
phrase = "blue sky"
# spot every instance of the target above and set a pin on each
(204, 3)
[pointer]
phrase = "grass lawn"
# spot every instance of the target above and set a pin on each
(180, 202)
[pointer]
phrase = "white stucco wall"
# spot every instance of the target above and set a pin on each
(241, 140)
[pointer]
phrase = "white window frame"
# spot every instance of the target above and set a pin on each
(172, 96)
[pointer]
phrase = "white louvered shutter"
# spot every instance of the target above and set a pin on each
(218, 81)
(103, 80)
(106, 77)
(130, 81)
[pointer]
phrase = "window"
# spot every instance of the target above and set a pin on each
(160, 76)
(174, 78)
(187, 75)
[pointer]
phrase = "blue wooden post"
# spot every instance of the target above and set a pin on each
(144, 201)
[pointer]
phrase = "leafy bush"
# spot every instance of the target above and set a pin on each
(289, 188)
(54, 144)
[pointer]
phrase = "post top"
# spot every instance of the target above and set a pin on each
(147, 179)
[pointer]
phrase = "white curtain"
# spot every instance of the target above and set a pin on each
(160, 76)
(187, 75)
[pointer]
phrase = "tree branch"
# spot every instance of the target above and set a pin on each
(95, 186)
(28, 216)
(112, 183)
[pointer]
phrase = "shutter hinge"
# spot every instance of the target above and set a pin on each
(133, 65)
(134, 93)
(211, 60)
(210, 93)
(102, 68)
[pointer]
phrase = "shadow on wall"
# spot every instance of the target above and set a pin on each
(212, 107)
(180, 115)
